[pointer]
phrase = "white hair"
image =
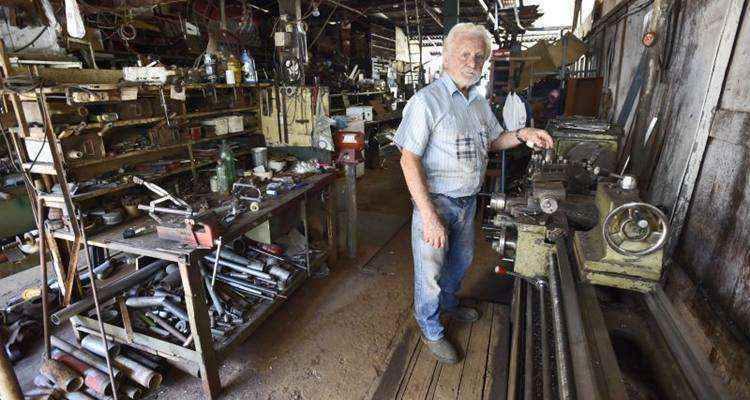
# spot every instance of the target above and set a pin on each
(467, 29)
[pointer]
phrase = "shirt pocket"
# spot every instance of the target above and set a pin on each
(466, 147)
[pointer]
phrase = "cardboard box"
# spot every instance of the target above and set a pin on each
(364, 111)
(224, 125)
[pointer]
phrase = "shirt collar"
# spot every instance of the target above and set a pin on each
(452, 88)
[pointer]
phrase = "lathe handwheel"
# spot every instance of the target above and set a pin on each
(629, 222)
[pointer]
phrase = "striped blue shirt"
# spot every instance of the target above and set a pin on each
(452, 134)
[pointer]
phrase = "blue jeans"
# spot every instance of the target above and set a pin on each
(438, 272)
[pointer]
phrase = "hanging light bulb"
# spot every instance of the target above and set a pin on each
(315, 11)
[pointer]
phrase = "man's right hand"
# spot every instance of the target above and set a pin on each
(433, 231)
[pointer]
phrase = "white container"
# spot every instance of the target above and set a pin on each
(235, 123)
(365, 112)
(260, 157)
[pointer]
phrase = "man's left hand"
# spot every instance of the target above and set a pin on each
(538, 137)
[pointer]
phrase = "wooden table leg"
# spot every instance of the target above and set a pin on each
(330, 225)
(195, 303)
(351, 210)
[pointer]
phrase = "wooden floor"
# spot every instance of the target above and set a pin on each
(413, 373)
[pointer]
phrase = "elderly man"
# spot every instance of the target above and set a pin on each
(446, 132)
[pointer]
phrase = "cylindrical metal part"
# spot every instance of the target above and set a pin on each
(280, 273)
(157, 301)
(230, 256)
(136, 372)
(261, 289)
(215, 301)
(142, 359)
(245, 289)
(173, 279)
(84, 356)
(241, 268)
(561, 355)
(497, 202)
(132, 392)
(108, 292)
(114, 348)
(276, 256)
(139, 374)
(92, 377)
(167, 327)
(63, 377)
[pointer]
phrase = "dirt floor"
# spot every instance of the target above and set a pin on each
(331, 339)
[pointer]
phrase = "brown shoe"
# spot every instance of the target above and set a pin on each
(442, 349)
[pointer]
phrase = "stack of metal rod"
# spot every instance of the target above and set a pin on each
(80, 373)
(235, 283)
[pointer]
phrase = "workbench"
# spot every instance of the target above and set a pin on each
(201, 361)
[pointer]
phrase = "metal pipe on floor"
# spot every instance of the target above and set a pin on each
(63, 377)
(136, 372)
(561, 355)
(83, 355)
(92, 377)
(108, 292)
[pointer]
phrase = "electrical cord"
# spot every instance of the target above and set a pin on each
(34, 40)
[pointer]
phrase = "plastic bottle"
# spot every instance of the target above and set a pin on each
(210, 65)
(227, 159)
(248, 68)
(234, 70)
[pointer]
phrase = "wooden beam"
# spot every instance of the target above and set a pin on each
(711, 98)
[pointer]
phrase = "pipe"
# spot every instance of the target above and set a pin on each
(212, 293)
(113, 348)
(136, 372)
(132, 392)
(141, 359)
(244, 288)
(251, 286)
(230, 256)
(92, 377)
(561, 355)
(280, 273)
(241, 268)
(167, 327)
(84, 356)
(157, 301)
(108, 292)
(63, 377)
(278, 257)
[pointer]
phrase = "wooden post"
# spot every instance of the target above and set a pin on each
(9, 387)
(200, 328)
(329, 198)
(351, 209)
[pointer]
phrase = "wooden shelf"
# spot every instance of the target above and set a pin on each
(144, 121)
(131, 154)
(111, 190)
(56, 89)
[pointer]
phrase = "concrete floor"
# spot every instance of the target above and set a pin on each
(332, 337)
